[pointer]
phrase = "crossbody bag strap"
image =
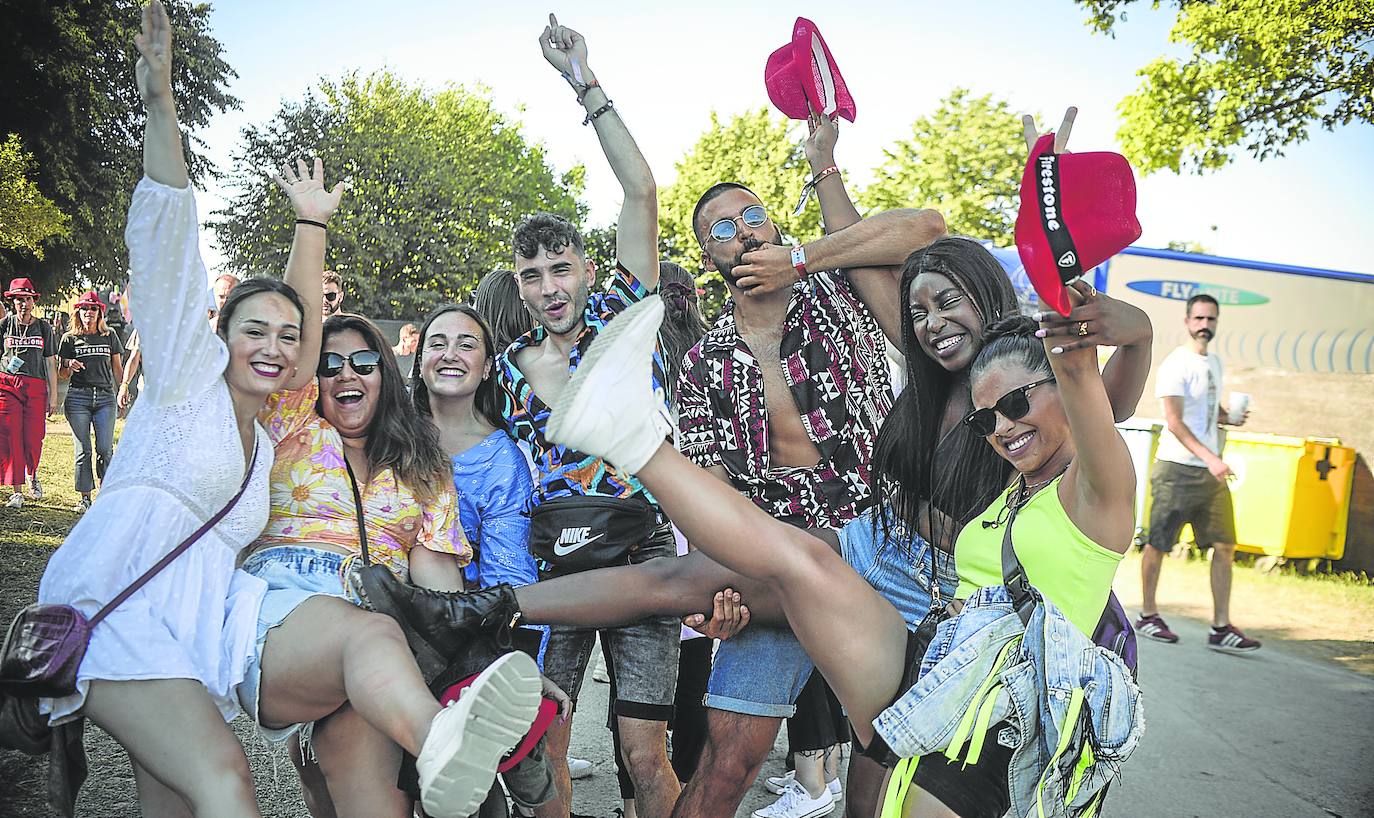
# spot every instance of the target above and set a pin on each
(358, 507)
(1013, 573)
(176, 552)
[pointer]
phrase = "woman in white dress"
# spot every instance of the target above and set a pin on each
(160, 672)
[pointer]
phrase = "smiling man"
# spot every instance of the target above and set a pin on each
(586, 514)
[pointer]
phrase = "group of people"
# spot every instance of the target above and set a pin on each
(816, 480)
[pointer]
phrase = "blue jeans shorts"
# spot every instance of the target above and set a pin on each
(761, 671)
(293, 574)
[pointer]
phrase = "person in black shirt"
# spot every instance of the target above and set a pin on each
(91, 356)
(28, 386)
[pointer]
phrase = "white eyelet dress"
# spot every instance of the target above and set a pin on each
(179, 461)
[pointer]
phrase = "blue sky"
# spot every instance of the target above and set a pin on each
(668, 66)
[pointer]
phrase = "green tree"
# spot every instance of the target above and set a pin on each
(756, 149)
(69, 95)
(964, 160)
(27, 217)
(440, 178)
(1259, 74)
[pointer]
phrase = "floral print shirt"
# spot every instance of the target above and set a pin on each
(312, 497)
(834, 358)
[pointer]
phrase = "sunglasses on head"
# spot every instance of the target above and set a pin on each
(1013, 406)
(364, 361)
(752, 216)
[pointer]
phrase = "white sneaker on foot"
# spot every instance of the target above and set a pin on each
(777, 783)
(579, 767)
(16, 501)
(609, 408)
(467, 739)
(796, 802)
(836, 791)
(82, 506)
(37, 488)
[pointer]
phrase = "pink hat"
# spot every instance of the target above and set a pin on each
(89, 299)
(21, 286)
(803, 72)
(1077, 211)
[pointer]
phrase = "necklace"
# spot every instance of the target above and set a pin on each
(1021, 494)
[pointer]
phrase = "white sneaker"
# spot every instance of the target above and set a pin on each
(600, 673)
(468, 738)
(579, 767)
(608, 408)
(37, 488)
(796, 802)
(777, 783)
(16, 501)
(81, 506)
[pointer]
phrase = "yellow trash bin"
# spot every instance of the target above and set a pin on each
(1142, 439)
(1291, 495)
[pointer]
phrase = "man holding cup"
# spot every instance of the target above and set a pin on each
(1189, 478)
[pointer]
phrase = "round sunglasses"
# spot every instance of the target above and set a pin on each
(1013, 406)
(364, 362)
(752, 216)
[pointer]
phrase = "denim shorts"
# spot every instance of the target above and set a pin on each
(761, 671)
(644, 653)
(293, 574)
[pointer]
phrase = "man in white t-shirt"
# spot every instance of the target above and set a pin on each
(1188, 480)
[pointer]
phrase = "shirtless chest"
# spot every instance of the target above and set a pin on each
(788, 442)
(546, 371)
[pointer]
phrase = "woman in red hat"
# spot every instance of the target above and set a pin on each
(91, 356)
(28, 390)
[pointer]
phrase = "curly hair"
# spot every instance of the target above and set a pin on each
(547, 230)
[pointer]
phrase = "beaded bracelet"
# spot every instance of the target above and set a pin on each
(598, 112)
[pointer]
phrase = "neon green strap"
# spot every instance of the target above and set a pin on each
(964, 731)
(1085, 760)
(981, 726)
(1065, 736)
(898, 786)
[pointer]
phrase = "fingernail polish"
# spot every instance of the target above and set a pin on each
(1057, 351)
(1040, 333)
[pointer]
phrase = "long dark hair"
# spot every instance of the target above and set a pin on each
(683, 325)
(398, 438)
(249, 288)
(485, 398)
(497, 299)
(906, 472)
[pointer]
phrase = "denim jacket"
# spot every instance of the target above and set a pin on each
(1071, 709)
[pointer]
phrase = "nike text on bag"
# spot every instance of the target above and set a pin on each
(581, 532)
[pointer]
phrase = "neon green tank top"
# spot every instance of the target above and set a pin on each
(1069, 569)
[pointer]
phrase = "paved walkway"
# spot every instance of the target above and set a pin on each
(1269, 735)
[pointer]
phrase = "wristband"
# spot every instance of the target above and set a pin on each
(320, 225)
(799, 260)
(591, 117)
(810, 186)
(584, 90)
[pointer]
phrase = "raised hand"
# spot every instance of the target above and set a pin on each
(823, 131)
(1061, 136)
(305, 187)
(1099, 320)
(154, 43)
(565, 50)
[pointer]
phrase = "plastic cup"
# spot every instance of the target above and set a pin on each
(1235, 410)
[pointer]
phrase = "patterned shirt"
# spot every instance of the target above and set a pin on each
(312, 496)
(559, 471)
(834, 360)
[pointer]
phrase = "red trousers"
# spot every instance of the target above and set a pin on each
(23, 421)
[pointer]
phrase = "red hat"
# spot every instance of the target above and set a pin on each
(89, 299)
(21, 286)
(1077, 211)
(803, 72)
(548, 709)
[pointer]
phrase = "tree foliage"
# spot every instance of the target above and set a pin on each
(69, 95)
(440, 178)
(756, 149)
(1259, 75)
(27, 217)
(964, 160)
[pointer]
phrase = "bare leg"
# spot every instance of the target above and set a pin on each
(359, 766)
(314, 789)
(1223, 557)
(855, 637)
(155, 798)
(644, 747)
(1151, 561)
(736, 746)
(556, 748)
(864, 787)
(198, 758)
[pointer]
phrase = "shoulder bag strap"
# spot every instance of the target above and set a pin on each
(358, 507)
(1013, 573)
(176, 552)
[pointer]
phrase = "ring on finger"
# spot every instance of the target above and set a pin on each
(1082, 328)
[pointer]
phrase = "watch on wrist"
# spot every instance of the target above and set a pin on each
(799, 260)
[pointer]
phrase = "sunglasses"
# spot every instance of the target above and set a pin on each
(331, 297)
(752, 216)
(1013, 406)
(88, 309)
(364, 362)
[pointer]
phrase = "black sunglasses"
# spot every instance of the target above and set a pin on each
(752, 216)
(364, 361)
(1013, 406)
(330, 297)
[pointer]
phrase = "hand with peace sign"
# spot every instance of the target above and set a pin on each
(1061, 136)
(566, 50)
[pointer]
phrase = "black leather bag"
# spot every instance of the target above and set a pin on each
(582, 532)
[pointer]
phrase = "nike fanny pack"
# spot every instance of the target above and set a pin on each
(578, 533)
